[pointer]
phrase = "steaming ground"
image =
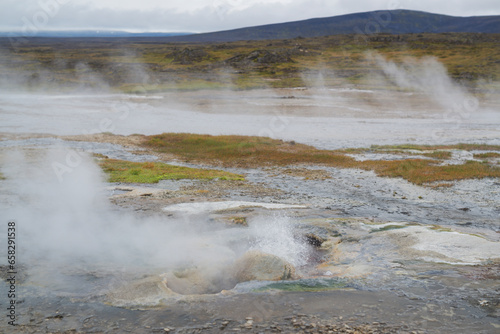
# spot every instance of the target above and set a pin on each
(326, 118)
(82, 244)
(67, 220)
(397, 257)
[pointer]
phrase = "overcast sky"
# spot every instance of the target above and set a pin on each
(204, 15)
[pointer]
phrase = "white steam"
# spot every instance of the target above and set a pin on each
(64, 217)
(64, 220)
(427, 75)
(275, 235)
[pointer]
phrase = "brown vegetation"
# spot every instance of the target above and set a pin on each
(249, 152)
(138, 65)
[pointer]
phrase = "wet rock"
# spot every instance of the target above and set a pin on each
(199, 281)
(314, 240)
(223, 325)
(20, 276)
(134, 191)
(488, 271)
(437, 244)
(249, 323)
(256, 265)
(149, 291)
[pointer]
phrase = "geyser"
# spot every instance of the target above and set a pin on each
(67, 223)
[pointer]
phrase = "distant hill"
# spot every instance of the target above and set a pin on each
(390, 21)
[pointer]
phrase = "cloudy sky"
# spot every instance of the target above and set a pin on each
(204, 15)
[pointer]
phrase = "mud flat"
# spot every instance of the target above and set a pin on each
(326, 118)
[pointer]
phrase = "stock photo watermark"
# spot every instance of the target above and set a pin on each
(11, 273)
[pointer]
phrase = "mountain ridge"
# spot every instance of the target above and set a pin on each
(399, 21)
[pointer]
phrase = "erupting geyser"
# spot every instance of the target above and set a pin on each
(66, 219)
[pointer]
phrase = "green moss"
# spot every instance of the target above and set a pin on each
(152, 172)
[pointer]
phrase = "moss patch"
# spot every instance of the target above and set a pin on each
(152, 172)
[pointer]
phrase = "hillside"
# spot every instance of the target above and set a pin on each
(149, 64)
(390, 21)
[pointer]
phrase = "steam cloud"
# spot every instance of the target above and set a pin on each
(65, 220)
(72, 220)
(429, 76)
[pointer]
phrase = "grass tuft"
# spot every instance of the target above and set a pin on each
(487, 155)
(420, 172)
(242, 151)
(152, 172)
(443, 155)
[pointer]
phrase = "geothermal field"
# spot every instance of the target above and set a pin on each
(362, 198)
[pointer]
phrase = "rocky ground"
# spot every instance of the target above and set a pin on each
(388, 257)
